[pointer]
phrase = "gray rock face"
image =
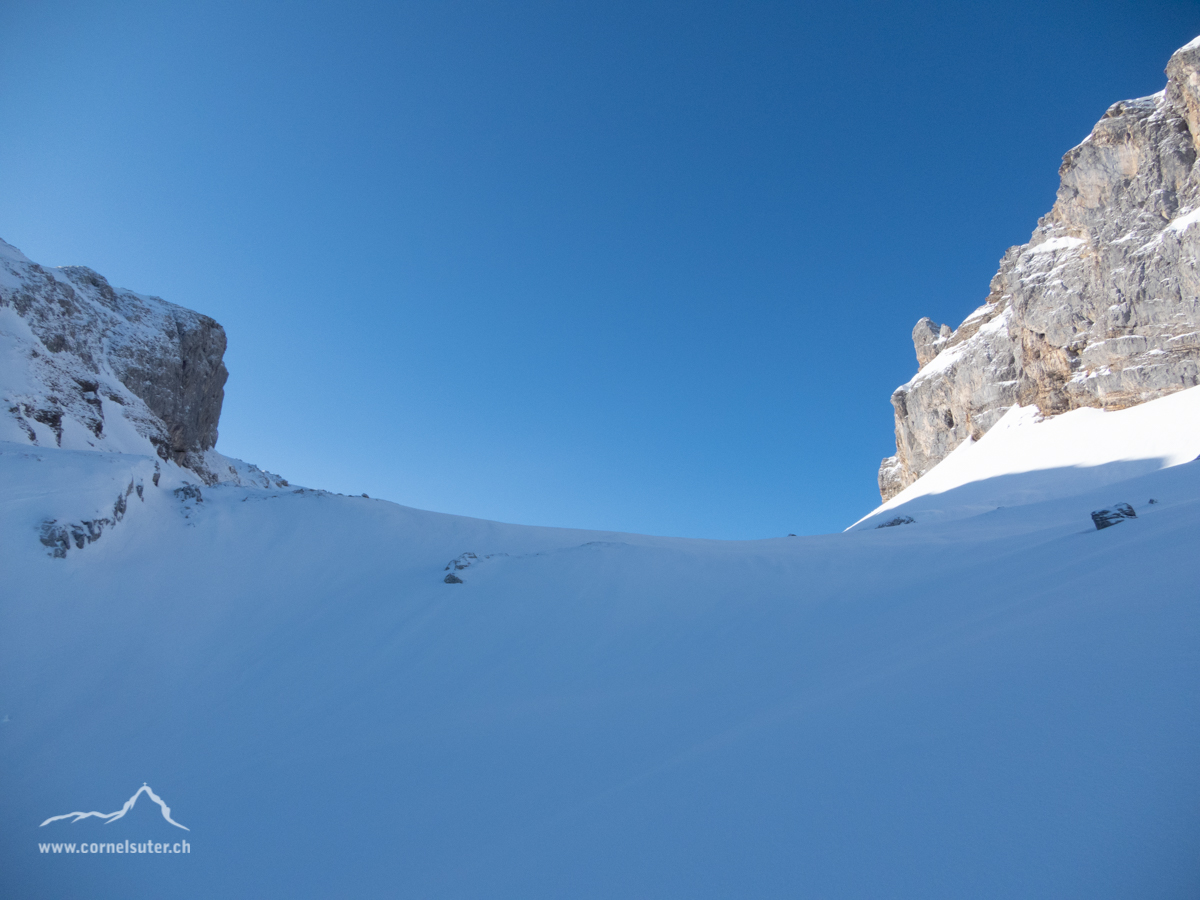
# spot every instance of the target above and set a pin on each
(1099, 309)
(928, 339)
(95, 354)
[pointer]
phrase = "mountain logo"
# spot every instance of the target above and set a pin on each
(113, 816)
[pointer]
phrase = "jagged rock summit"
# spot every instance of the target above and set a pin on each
(92, 367)
(1099, 309)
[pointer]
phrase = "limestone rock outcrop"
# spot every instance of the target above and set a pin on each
(92, 366)
(1101, 308)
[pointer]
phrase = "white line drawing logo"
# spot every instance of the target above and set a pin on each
(113, 816)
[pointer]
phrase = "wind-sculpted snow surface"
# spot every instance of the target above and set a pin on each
(1100, 309)
(994, 700)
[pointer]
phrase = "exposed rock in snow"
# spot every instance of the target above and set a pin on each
(1100, 309)
(462, 561)
(1103, 518)
(189, 492)
(59, 537)
(86, 366)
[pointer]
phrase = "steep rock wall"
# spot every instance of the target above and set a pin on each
(86, 361)
(1099, 309)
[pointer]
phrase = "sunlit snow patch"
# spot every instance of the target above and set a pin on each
(1027, 459)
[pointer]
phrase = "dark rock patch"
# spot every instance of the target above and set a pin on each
(1104, 518)
(188, 492)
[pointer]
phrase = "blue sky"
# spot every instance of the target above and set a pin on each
(642, 266)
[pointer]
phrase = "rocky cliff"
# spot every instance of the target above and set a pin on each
(89, 366)
(1099, 309)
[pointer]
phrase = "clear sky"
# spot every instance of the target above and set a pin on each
(645, 266)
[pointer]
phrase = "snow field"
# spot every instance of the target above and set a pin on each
(991, 702)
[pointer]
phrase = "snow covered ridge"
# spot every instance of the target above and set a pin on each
(1100, 309)
(86, 366)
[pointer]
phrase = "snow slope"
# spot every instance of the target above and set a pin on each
(1024, 458)
(991, 702)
